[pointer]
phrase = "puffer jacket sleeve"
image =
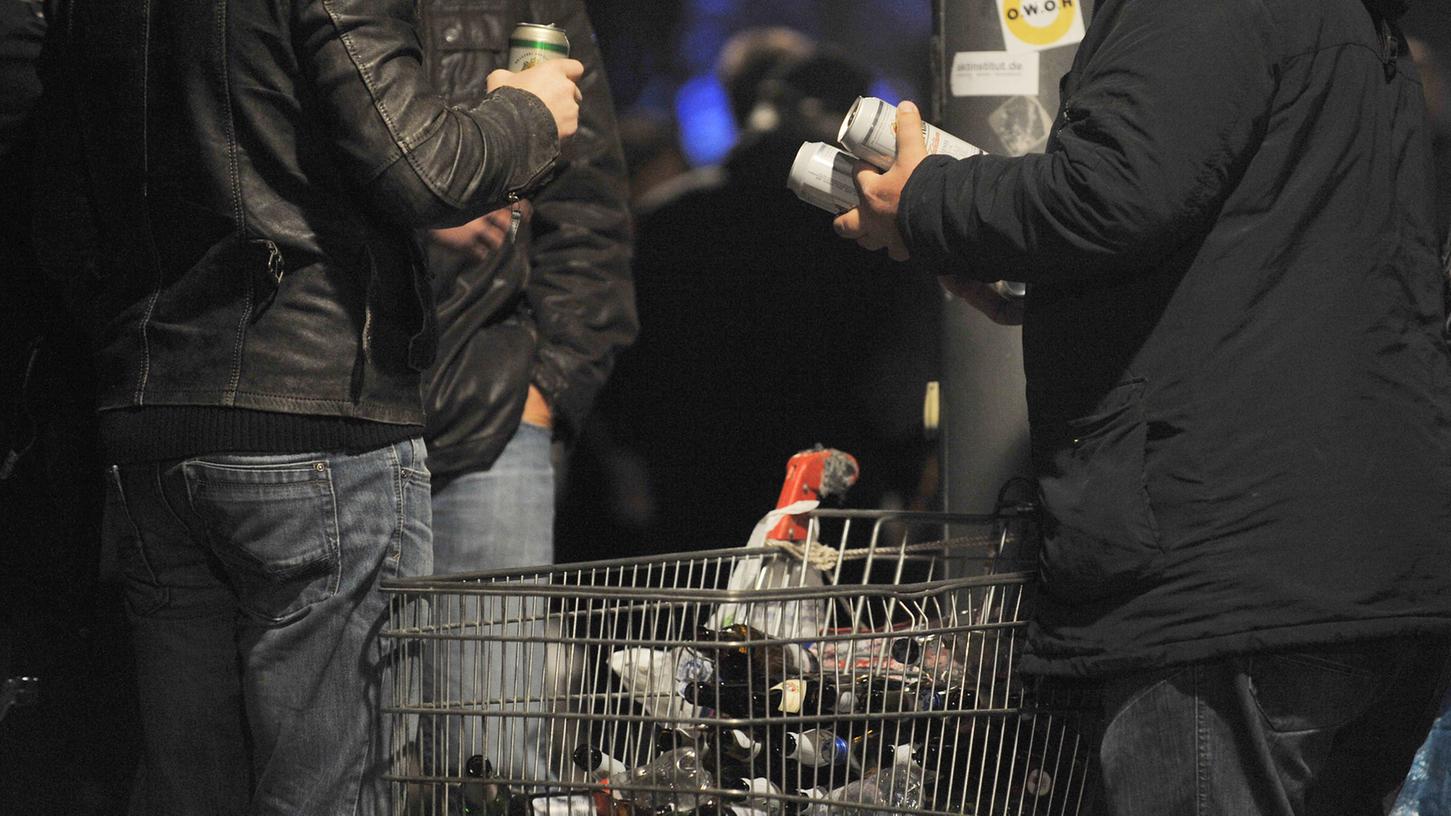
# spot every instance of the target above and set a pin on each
(418, 160)
(1157, 126)
(580, 286)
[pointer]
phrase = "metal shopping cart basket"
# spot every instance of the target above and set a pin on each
(866, 670)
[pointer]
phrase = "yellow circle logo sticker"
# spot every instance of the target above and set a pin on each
(1037, 25)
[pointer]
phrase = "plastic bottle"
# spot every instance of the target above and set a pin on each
(679, 776)
(898, 783)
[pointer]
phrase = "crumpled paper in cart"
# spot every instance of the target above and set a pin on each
(777, 619)
(653, 677)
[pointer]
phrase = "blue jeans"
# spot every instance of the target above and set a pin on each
(1317, 733)
(1427, 791)
(501, 517)
(498, 518)
(252, 588)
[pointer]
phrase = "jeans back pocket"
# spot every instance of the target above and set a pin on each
(1310, 691)
(273, 525)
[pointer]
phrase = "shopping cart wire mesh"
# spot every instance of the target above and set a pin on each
(868, 669)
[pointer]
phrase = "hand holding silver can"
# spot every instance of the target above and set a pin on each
(869, 132)
(821, 176)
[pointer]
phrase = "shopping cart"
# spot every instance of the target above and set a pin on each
(869, 668)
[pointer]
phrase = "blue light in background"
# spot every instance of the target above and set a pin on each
(706, 128)
(886, 90)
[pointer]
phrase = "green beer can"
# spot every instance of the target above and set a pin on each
(533, 43)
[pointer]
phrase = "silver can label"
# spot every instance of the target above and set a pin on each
(869, 132)
(821, 176)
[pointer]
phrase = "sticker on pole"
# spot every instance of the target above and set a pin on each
(1037, 25)
(994, 73)
(1021, 124)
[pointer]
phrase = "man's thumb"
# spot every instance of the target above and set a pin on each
(910, 144)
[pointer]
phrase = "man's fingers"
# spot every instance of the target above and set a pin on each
(864, 174)
(501, 217)
(849, 224)
(497, 78)
(870, 242)
(911, 147)
(573, 68)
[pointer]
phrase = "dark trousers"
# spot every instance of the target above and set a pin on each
(1315, 733)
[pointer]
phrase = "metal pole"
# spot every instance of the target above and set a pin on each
(989, 96)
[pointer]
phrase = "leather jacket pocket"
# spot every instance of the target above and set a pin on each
(423, 343)
(1100, 536)
(468, 41)
(474, 26)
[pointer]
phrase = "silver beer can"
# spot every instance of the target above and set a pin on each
(869, 132)
(533, 43)
(821, 176)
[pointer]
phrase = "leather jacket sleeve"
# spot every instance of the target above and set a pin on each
(419, 161)
(580, 286)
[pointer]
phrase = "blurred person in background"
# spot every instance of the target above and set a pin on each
(534, 301)
(760, 336)
(653, 156)
(228, 204)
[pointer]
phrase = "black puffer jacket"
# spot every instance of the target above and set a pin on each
(554, 306)
(1240, 402)
(252, 174)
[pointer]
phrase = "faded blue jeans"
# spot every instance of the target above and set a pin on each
(1427, 791)
(252, 588)
(496, 519)
(1324, 732)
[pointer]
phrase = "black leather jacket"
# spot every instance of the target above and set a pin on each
(252, 174)
(553, 307)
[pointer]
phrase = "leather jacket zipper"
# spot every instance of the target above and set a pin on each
(515, 216)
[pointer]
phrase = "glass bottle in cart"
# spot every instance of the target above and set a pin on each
(888, 694)
(799, 695)
(748, 790)
(487, 796)
(864, 694)
(597, 764)
(744, 655)
(943, 657)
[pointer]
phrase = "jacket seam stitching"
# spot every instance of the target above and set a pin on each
(139, 395)
(238, 215)
(238, 211)
(233, 393)
(402, 145)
